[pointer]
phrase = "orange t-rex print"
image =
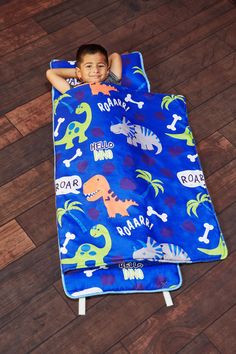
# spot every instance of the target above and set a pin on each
(98, 187)
(97, 87)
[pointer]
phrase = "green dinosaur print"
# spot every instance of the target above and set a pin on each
(77, 129)
(89, 252)
(220, 250)
(186, 135)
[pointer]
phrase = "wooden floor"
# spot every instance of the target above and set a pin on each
(189, 48)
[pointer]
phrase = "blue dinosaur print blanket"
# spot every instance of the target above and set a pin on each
(130, 191)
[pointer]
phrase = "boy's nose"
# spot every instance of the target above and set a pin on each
(95, 69)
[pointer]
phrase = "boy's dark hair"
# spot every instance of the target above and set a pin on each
(90, 49)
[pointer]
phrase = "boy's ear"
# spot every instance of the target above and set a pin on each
(78, 73)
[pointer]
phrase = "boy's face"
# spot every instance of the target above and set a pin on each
(93, 68)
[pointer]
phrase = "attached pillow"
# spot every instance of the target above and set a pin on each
(133, 72)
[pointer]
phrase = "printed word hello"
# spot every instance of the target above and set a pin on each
(101, 145)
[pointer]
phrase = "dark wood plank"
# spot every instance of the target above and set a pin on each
(26, 191)
(32, 115)
(186, 33)
(213, 114)
(229, 131)
(34, 322)
(14, 243)
(8, 132)
(197, 6)
(187, 63)
(124, 11)
(26, 277)
(40, 229)
(210, 81)
(30, 150)
(28, 72)
(168, 331)
(20, 34)
(222, 186)
(228, 224)
(61, 15)
(188, 48)
(226, 341)
(12, 12)
(228, 35)
(117, 349)
(215, 152)
(44, 49)
(200, 344)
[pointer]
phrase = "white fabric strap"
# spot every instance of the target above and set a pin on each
(82, 306)
(167, 298)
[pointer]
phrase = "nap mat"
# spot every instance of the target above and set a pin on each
(130, 191)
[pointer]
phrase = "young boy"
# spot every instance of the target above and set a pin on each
(92, 65)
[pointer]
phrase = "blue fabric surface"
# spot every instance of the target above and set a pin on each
(129, 185)
(132, 175)
(130, 192)
(121, 277)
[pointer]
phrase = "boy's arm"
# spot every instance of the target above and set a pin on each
(58, 77)
(115, 64)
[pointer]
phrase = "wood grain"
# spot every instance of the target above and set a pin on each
(222, 186)
(8, 132)
(30, 150)
(215, 152)
(28, 276)
(35, 321)
(193, 312)
(215, 114)
(180, 67)
(26, 191)
(14, 243)
(19, 35)
(40, 229)
(188, 48)
(210, 81)
(200, 344)
(12, 13)
(32, 115)
(224, 341)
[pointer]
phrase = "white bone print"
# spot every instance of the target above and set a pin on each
(59, 122)
(175, 120)
(151, 211)
(204, 238)
(77, 153)
(128, 98)
(69, 237)
(192, 158)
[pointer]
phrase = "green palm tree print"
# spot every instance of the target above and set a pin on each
(153, 183)
(138, 71)
(68, 207)
(168, 99)
(193, 204)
